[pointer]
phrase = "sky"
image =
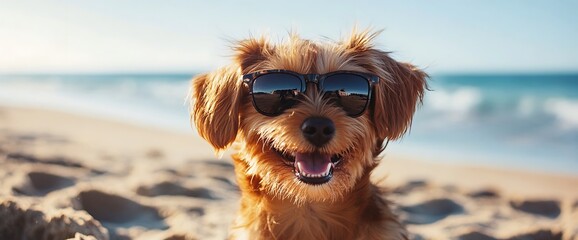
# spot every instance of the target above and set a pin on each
(108, 36)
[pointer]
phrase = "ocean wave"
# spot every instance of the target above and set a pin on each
(565, 111)
(455, 104)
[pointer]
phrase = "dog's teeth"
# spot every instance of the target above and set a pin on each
(326, 172)
(316, 175)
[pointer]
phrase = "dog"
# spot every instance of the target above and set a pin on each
(309, 121)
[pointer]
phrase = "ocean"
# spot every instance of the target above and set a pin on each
(511, 121)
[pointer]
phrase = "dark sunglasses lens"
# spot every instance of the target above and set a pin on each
(350, 91)
(275, 92)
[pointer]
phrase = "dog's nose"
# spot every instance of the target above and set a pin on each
(318, 130)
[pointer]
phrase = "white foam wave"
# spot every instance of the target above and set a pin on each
(456, 104)
(564, 110)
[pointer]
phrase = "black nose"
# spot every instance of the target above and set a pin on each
(318, 130)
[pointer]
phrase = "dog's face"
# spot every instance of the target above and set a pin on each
(313, 150)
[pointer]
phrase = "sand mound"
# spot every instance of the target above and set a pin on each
(30, 222)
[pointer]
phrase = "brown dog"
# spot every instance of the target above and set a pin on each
(310, 120)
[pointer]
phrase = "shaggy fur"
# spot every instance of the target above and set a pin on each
(274, 203)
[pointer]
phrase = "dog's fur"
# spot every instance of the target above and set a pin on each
(274, 203)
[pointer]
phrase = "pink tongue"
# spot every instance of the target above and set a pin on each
(312, 163)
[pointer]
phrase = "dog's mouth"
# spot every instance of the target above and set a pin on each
(312, 168)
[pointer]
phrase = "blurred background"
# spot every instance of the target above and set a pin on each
(504, 74)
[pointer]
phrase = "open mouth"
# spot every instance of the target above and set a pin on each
(312, 168)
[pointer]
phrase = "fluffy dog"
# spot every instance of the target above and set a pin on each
(304, 171)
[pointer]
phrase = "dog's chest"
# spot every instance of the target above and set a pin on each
(311, 223)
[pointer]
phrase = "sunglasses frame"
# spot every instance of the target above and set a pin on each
(249, 79)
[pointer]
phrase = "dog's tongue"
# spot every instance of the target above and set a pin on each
(312, 163)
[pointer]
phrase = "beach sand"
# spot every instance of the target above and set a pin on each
(69, 176)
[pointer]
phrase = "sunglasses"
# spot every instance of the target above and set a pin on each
(274, 91)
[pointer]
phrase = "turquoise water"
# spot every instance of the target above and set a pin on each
(516, 121)
(513, 121)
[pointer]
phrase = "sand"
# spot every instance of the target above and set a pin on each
(69, 176)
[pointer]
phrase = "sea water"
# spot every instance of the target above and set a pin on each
(507, 120)
(516, 121)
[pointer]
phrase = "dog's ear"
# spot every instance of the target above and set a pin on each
(400, 90)
(401, 85)
(216, 97)
(251, 53)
